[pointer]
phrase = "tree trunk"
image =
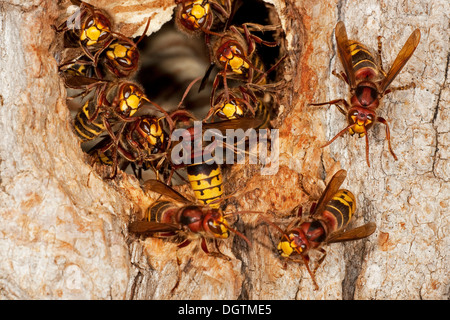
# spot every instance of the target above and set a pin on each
(64, 230)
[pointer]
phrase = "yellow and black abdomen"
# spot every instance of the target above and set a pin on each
(100, 157)
(158, 212)
(206, 181)
(263, 113)
(84, 129)
(259, 77)
(340, 210)
(362, 57)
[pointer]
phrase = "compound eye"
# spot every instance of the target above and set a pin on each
(214, 226)
(218, 226)
(90, 22)
(127, 93)
(145, 126)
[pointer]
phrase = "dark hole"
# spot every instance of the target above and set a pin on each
(170, 60)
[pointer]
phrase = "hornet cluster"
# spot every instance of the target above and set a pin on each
(123, 127)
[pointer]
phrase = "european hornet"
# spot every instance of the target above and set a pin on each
(184, 219)
(368, 83)
(196, 16)
(241, 102)
(120, 58)
(89, 28)
(111, 101)
(250, 99)
(325, 224)
(141, 142)
(233, 52)
(113, 105)
(205, 176)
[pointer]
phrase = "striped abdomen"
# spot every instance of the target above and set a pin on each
(161, 212)
(86, 130)
(364, 64)
(78, 70)
(102, 157)
(262, 112)
(206, 181)
(339, 210)
(234, 109)
(258, 64)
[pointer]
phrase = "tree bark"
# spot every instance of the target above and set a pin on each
(64, 230)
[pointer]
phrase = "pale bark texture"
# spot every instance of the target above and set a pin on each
(64, 230)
